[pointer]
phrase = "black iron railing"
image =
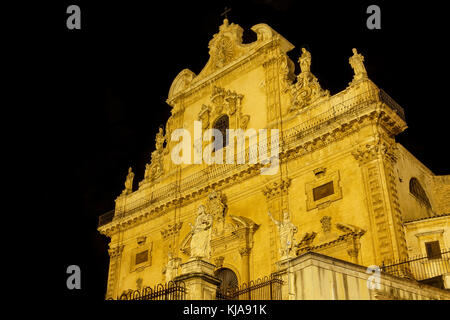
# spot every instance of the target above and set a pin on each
(105, 218)
(384, 97)
(168, 291)
(267, 288)
(421, 267)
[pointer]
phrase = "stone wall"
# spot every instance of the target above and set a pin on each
(314, 276)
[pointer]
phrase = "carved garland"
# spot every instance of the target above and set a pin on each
(224, 102)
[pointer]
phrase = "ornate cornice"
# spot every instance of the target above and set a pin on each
(227, 52)
(276, 188)
(375, 150)
(171, 230)
(296, 142)
(245, 251)
(115, 251)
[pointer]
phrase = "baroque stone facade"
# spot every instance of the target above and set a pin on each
(341, 189)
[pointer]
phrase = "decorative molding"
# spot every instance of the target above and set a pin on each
(346, 125)
(224, 102)
(172, 229)
(325, 178)
(181, 82)
(139, 250)
(350, 239)
(326, 224)
(141, 240)
(115, 251)
(218, 261)
(377, 208)
(320, 172)
(375, 150)
(115, 254)
(245, 251)
(307, 88)
(276, 188)
(429, 233)
(204, 116)
(155, 168)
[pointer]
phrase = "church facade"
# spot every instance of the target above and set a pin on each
(342, 187)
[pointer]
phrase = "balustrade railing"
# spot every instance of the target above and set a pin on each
(421, 267)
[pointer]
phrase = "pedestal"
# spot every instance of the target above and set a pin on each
(198, 276)
(288, 277)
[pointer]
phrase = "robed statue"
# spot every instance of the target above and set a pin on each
(201, 234)
(305, 61)
(129, 182)
(286, 231)
(357, 63)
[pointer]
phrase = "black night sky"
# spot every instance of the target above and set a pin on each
(102, 92)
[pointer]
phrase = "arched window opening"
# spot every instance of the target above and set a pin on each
(229, 281)
(417, 191)
(222, 124)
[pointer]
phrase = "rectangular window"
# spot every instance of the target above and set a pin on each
(433, 250)
(141, 257)
(323, 191)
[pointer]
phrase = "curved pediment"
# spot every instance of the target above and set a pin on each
(225, 48)
(182, 81)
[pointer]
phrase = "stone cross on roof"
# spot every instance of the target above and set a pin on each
(225, 12)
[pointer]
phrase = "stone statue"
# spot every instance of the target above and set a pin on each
(171, 268)
(357, 63)
(201, 234)
(160, 138)
(305, 61)
(286, 230)
(307, 88)
(155, 169)
(129, 182)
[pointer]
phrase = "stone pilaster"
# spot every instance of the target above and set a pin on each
(115, 255)
(272, 84)
(276, 194)
(376, 161)
(245, 263)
